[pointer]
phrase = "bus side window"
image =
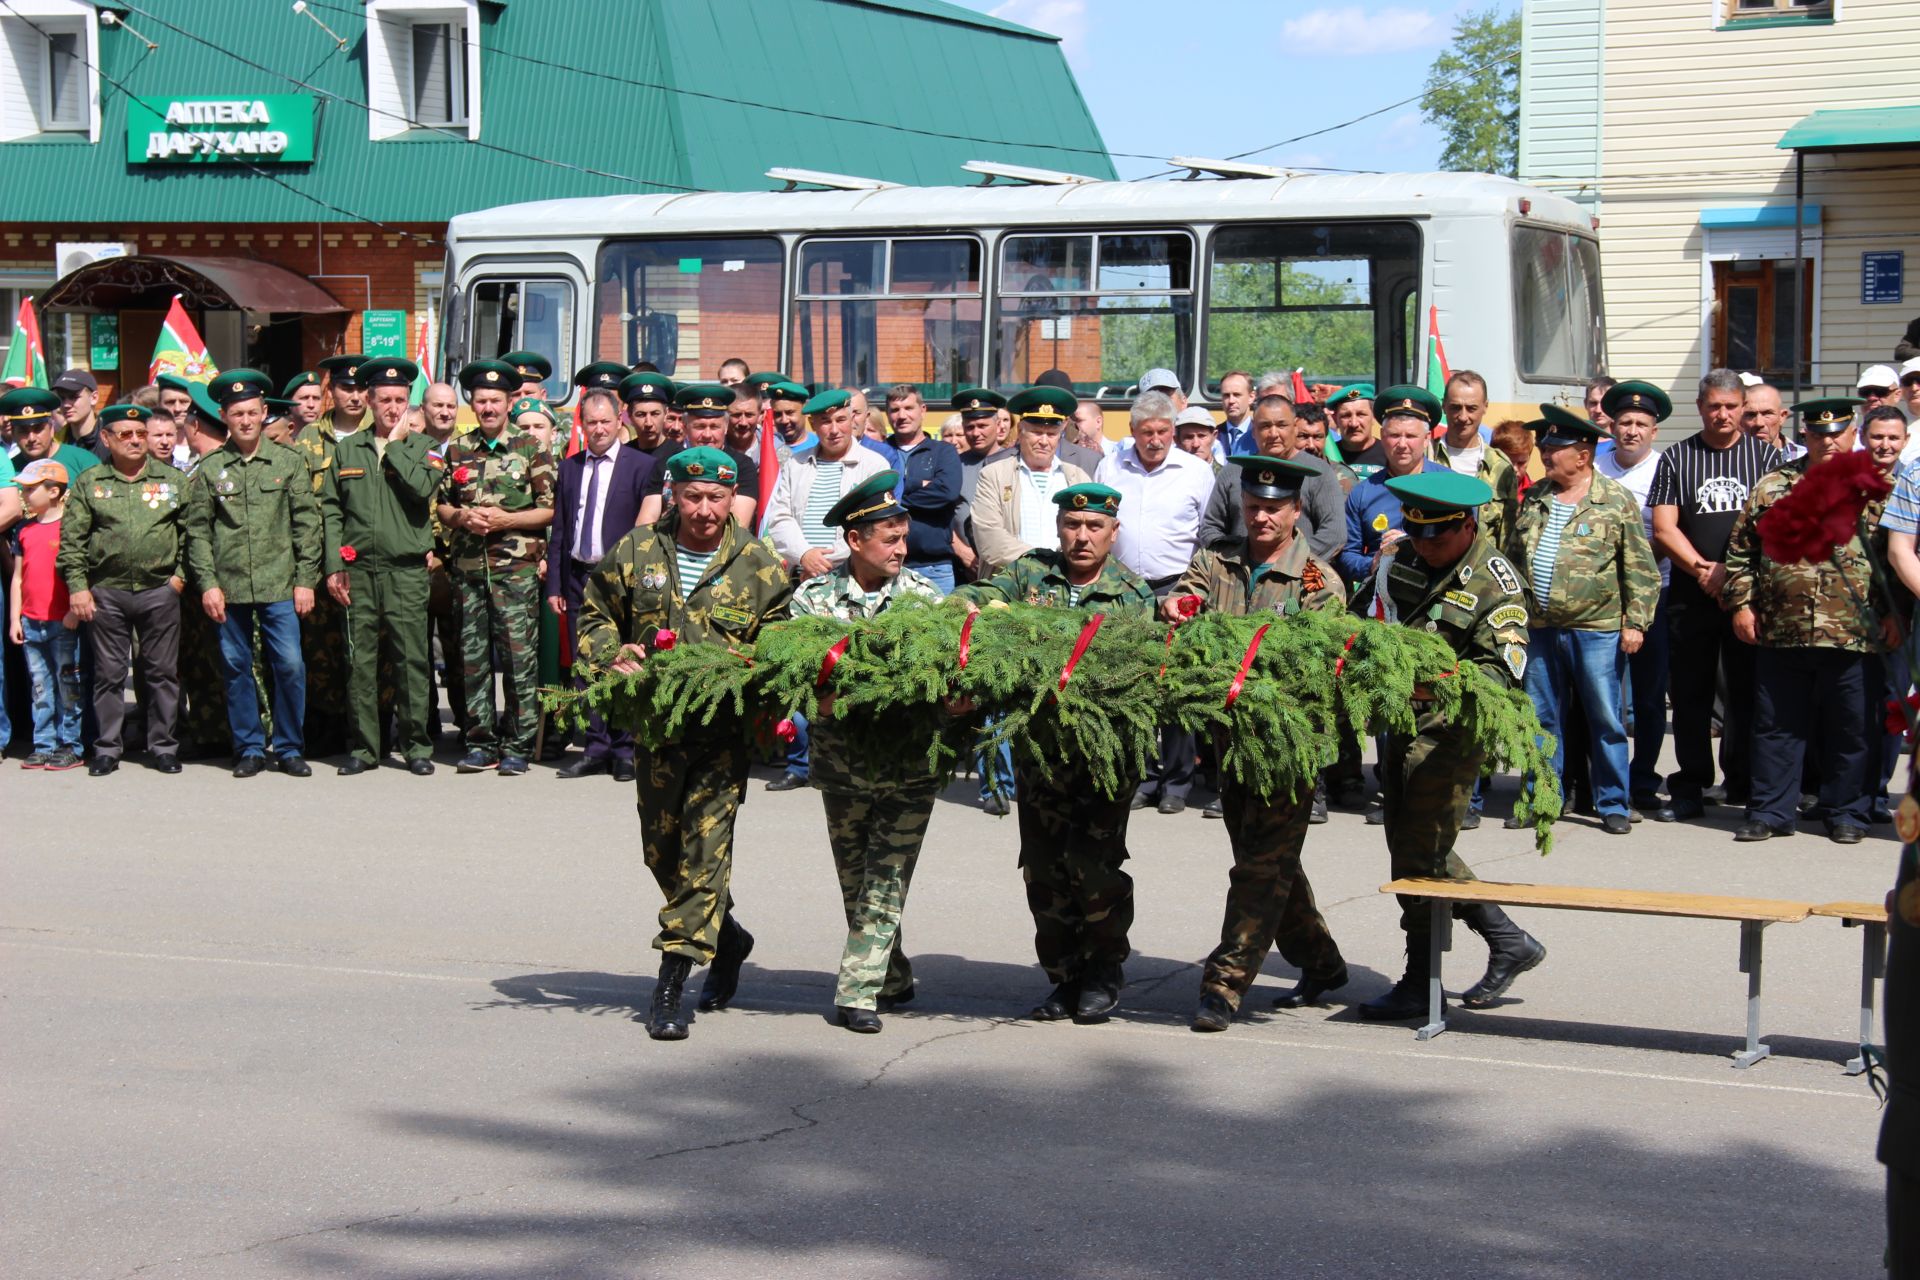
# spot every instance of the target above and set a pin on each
(686, 305)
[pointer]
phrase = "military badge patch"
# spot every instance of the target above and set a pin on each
(1515, 656)
(1466, 573)
(738, 617)
(1504, 575)
(352, 473)
(1507, 615)
(1461, 599)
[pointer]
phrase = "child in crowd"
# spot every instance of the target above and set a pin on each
(41, 621)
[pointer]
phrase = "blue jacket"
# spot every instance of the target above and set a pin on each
(931, 494)
(1371, 511)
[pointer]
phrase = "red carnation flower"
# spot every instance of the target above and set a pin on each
(1898, 709)
(786, 731)
(664, 639)
(462, 474)
(348, 554)
(1188, 606)
(1822, 511)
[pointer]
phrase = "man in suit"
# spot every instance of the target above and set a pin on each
(596, 501)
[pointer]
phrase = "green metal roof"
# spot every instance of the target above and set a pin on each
(1858, 129)
(674, 95)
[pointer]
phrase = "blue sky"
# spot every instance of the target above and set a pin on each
(1216, 77)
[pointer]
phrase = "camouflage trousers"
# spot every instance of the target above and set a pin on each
(203, 728)
(688, 795)
(1073, 842)
(500, 615)
(1269, 901)
(1428, 782)
(323, 645)
(387, 642)
(876, 832)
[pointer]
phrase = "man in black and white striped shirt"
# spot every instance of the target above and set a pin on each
(1698, 492)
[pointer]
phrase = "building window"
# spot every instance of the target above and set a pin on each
(48, 85)
(1738, 11)
(1753, 318)
(1103, 309)
(439, 73)
(423, 68)
(875, 312)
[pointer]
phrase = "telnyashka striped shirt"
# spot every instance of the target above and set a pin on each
(693, 564)
(828, 479)
(1548, 550)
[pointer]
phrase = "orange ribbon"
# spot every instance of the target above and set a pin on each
(1246, 663)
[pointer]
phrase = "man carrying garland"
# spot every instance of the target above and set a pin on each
(696, 577)
(1269, 901)
(1073, 836)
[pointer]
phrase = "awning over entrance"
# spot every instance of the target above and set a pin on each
(1858, 129)
(149, 283)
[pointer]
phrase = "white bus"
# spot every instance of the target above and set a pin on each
(949, 287)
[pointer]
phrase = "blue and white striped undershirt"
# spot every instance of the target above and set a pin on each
(827, 481)
(1548, 552)
(693, 565)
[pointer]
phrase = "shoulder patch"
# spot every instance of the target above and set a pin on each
(1507, 615)
(1462, 600)
(1504, 575)
(1515, 656)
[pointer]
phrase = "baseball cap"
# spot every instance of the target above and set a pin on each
(1910, 369)
(75, 380)
(1194, 416)
(1879, 375)
(43, 471)
(1158, 380)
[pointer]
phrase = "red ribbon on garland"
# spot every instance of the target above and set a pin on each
(966, 639)
(1246, 663)
(1340, 663)
(1080, 649)
(832, 660)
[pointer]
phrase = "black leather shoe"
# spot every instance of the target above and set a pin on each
(864, 1021)
(1214, 809)
(1616, 824)
(1686, 809)
(294, 767)
(723, 975)
(476, 761)
(1214, 1013)
(1471, 822)
(1377, 813)
(420, 767)
(1172, 804)
(354, 765)
(996, 806)
(247, 766)
(787, 782)
(1059, 1004)
(1880, 815)
(1099, 996)
(1653, 807)
(1845, 833)
(166, 764)
(1141, 800)
(623, 771)
(896, 1000)
(584, 767)
(104, 765)
(1318, 814)
(1403, 1002)
(1514, 822)
(512, 766)
(665, 1018)
(1754, 831)
(1310, 988)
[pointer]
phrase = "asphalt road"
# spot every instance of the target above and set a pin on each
(385, 1027)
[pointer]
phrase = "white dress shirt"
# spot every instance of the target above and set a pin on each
(1160, 510)
(586, 522)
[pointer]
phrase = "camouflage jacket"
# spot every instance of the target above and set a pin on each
(121, 534)
(837, 595)
(1040, 577)
(1227, 580)
(1497, 517)
(1604, 578)
(511, 471)
(1801, 606)
(636, 590)
(253, 524)
(1476, 604)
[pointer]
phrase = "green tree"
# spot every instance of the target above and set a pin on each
(1473, 94)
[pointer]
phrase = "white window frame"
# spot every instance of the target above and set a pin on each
(1734, 244)
(15, 284)
(390, 96)
(25, 63)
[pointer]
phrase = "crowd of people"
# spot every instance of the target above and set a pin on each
(273, 568)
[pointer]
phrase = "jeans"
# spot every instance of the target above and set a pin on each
(1588, 666)
(280, 633)
(938, 572)
(800, 749)
(53, 659)
(1647, 697)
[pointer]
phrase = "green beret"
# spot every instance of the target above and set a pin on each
(530, 365)
(654, 387)
(1625, 397)
(1434, 501)
(703, 463)
(123, 413)
(530, 404)
(604, 374)
(704, 399)
(1406, 401)
(305, 378)
(761, 381)
(1043, 404)
(28, 404)
(344, 371)
(827, 402)
(1828, 417)
(489, 375)
(1265, 477)
(789, 391)
(870, 500)
(389, 371)
(237, 386)
(1557, 427)
(1097, 498)
(978, 402)
(1352, 391)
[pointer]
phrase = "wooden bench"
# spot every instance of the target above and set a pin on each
(1871, 919)
(1753, 915)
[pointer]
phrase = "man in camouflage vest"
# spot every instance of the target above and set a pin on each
(696, 577)
(877, 810)
(1269, 901)
(496, 501)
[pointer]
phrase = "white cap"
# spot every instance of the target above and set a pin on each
(1751, 379)
(1194, 416)
(1879, 375)
(1158, 380)
(1910, 368)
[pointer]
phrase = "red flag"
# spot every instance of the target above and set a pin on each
(179, 350)
(769, 469)
(576, 438)
(1300, 393)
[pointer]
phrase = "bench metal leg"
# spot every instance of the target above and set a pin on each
(1439, 941)
(1873, 967)
(1750, 957)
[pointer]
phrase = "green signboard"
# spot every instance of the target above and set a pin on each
(103, 332)
(383, 333)
(269, 129)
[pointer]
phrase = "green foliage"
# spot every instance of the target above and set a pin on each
(1477, 105)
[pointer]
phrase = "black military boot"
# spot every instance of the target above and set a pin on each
(723, 976)
(1310, 988)
(1059, 1004)
(1099, 994)
(1214, 1014)
(1511, 951)
(1407, 998)
(665, 1018)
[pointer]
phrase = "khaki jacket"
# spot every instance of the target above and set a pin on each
(996, 512)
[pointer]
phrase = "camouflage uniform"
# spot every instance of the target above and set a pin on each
(1073, 837)
(497, 581)
(1811, 667)
(875, 824)
(689, 790)
(1269, 900)
(1496, 468)
(323, 632)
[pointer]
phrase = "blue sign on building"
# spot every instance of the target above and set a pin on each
(1882, 274)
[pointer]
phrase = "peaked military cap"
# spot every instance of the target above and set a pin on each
(656, 387)
(1352, 391)
(1556, 427)
(765, 379)
(278, 407)
(489, 375)
(237, 386)
(530, 404)
(702, 463)
(1098, 498)
(206, 410)
(28, 404)
(1434, 502)
(1636, 396)
(123, 413)
(304, 378)
(788, 391)
(704, 399)
(1828, 417)
(601, 373)
(389, 371)
(1406, 400)
(530, 365)
(344, 371)
(174, 382)
(870, 500)
(978, 402)
(1043, 404)
(1266, 477)
(827, 402)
